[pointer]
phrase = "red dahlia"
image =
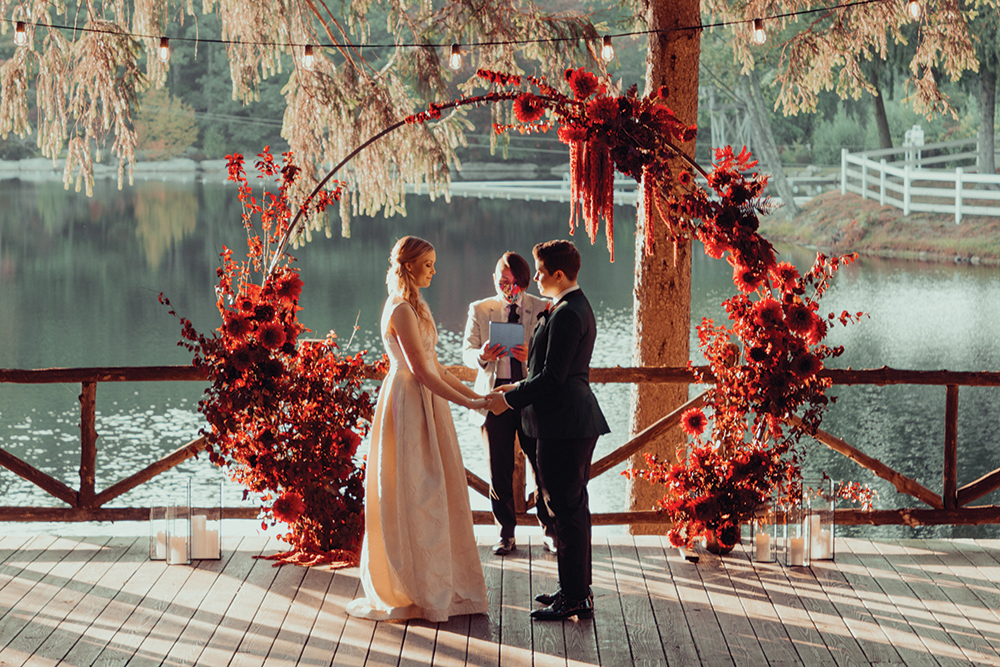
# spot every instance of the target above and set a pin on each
(288, 507)
(271, 335)
(528, 108)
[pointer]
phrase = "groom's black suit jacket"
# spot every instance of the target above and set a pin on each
(555, 398)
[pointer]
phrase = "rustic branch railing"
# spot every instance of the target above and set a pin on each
(87, 504)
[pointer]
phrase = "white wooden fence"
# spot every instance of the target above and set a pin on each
(905, 178)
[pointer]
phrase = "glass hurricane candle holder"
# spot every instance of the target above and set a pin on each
(797, 537)
(764, 537)
(818, 497)
(206, 526)
(157, 533)
(179, 531)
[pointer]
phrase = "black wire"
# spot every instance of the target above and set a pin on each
(473, 45)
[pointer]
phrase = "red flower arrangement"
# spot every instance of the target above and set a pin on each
(285, 418)
(766, 365)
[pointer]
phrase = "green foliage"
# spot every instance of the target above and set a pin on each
(844, 131)
(165, 126)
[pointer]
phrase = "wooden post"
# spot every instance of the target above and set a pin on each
(949, 494)
(906, 189)
(881, 183)
(843, 171)
(958, 195)
(88, 444)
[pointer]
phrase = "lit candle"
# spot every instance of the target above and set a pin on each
(823, 544)
(178, 550)
(211, 544)
(797, 550)
(198, 536)
(161, 545)
(762, 544)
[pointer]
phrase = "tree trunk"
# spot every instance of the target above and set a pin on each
(987, 116)
(662, 297)
(878, 108)
(765, 146)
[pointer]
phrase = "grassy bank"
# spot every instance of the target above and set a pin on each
(847, 223)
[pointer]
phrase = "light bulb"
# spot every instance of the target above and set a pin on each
(20, 34)
(759, 36)
(913, 9)
(607, 51)
(455, 60)
(307, 58)
(164, 49)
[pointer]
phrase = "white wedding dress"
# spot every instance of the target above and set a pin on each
(419, 558)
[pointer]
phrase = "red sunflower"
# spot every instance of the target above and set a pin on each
(767, 313)
(693, 421)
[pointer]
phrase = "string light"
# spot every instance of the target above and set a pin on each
(455, 60)
(307, 57)
(607, 51)
(164, 49)
(759, 36)
(912, 8)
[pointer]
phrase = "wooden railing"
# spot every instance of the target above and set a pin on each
(86, 503)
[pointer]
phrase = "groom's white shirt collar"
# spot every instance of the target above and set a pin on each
(566, 291)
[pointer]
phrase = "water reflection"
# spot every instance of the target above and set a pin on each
(80, 279)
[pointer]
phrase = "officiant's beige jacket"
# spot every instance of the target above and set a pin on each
(477, 332)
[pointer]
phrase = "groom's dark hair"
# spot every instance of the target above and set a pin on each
(558, 255)
(518, 267)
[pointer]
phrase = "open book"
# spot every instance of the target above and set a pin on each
(508, 334)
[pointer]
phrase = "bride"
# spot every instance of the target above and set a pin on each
(419, 558)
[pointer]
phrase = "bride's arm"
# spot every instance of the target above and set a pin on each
(404, 324)
(455, 383)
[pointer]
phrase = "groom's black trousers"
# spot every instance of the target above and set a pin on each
(563, 470)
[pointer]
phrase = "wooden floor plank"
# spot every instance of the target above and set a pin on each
(258, 642)
(178, 614)
(40, 630)
(324, 639)
(740, 636)
(300, 621)
(515, 606)
(921, 567)
(672, 626)
(548, 638)
(709, 639)
(885, 602)
(909, 629)
(640, 623)
(609, 618)
(222, 648)
(39, 607)
(745, 583)
(484, 629)
(209, 616)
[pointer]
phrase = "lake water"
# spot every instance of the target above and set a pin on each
(79, 280)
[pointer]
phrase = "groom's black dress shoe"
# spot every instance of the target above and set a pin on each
(504, 547)
(552, 597)
(564, 608)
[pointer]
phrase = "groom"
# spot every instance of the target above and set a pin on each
(559, 410)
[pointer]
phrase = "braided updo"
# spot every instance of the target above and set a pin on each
(399, 279)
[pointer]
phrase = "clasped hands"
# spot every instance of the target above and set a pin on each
(494, 400)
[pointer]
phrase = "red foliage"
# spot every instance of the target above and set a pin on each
(285, 418)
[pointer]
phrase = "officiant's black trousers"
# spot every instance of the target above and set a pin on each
(564, 469)
(498, 436)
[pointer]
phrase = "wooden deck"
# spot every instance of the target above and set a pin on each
(100, 601)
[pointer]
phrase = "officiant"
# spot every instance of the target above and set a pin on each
(497, 333)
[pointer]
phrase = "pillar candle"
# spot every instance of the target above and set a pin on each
(161, 545)
(762, 543)
(211, 544)
(198, 536)
(178, 549)
(797, 550)
(823, 544)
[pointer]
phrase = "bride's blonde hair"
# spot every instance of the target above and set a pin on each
(399, 279)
